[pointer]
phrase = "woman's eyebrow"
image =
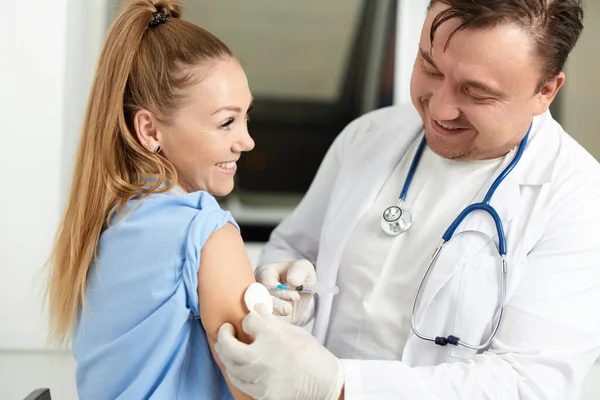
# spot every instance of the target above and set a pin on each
(233, 108)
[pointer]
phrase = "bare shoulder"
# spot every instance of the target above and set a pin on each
(223, 244)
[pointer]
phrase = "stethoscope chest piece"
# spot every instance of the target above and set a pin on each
(395, 220)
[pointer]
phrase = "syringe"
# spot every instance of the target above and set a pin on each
(316, 288)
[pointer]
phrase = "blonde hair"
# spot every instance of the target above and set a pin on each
(140, 67)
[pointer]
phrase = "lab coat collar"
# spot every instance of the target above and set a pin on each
(537, 164)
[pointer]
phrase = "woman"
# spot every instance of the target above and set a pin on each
(146, 266)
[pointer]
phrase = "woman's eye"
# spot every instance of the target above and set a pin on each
(249, 111)
(226, 124)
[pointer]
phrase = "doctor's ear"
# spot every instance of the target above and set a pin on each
(146, 129)
(548, 93)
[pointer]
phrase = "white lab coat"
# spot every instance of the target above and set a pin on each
(549, 205)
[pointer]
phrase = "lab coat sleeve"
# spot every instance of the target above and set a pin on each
(297, 236)
(550, 334)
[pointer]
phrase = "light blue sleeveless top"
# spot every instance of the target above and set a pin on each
(139, 336)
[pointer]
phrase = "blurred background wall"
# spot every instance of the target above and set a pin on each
(313, 66)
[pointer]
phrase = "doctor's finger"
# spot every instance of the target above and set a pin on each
(269, 275)
(231, 351)
(301, 272)
(262, 320)
(246, 373)
(252, 389)
(264, 312)
(281, 307)
(286, 295)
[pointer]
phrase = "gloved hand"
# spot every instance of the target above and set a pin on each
(289, 305)
(284, 361)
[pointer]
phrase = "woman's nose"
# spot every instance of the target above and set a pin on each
(246, 143)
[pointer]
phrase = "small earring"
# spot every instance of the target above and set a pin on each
(146, 145)
(151, 147)
(158, 149)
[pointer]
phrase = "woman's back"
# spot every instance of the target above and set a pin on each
(139, 333)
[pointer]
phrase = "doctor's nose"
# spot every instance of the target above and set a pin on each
(443, 105)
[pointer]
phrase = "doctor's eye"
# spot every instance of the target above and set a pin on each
(430, 73)
(475, 97)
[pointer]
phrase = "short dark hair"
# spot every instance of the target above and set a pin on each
(555, 25)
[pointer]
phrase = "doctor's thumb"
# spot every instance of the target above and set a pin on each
(226, 330)
(257, 321)
(302, 272)
(262, 310)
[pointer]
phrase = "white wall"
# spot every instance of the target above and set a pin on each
(580, 103)
(49, 51)
(48, 54)
(33, 43)
(410, 18)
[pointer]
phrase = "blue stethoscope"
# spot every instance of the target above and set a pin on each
(397, 220)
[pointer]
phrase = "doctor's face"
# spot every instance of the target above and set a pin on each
(477, 97)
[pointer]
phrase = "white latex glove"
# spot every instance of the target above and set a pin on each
(289, 305)
(284, 362)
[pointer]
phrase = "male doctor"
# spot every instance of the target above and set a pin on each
(485, 75)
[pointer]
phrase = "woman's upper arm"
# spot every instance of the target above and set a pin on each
(224, 275)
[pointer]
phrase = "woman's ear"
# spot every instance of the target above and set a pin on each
(146, 129)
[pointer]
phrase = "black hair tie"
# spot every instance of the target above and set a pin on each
(160, 17)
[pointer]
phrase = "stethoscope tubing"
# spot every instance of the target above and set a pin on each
(447, 236)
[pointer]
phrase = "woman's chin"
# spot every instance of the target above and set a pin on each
(221, 190)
